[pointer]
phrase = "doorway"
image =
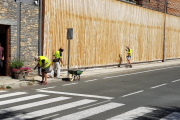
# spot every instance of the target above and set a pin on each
(4, 39)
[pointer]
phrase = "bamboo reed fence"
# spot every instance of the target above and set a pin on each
(102, 30)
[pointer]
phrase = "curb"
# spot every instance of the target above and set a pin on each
(34, 80)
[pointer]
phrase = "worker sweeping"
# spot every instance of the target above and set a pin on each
(58, 59)
(128, 56)
(44, 63)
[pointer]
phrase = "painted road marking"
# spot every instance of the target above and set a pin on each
(22, 99)
(12, 94)
(90, 112)
(48, 117)
(34, 104)
(91, 80)
(75, 94)
(139, 72)
(69, 84)
(133, 93)
(172, 116)
(2, 91)
(94, 104)
(51, 110)
(48, 87)
(176, 80)
(133, 114)
(158, 86)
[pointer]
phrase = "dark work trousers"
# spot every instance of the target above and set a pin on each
(1, 67)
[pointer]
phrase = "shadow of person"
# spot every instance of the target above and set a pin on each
(120, 60)
(65, 79)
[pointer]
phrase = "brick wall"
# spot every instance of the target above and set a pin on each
(173, 6)
(29, 33)
(28, 29)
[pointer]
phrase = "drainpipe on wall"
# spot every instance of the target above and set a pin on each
(164, 51)
(18, 27)
(40, 31)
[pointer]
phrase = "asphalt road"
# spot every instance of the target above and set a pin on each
(147, 94)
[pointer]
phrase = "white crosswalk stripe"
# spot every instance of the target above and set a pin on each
(12, 94)
(90, 112)
(172, 116)
(2, 91)
(81, 114)
(34, 104)
(75, 94)
(131, 115)
(51, 110)
(22, 99)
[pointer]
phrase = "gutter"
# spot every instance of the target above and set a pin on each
(18, 27)
(40, 32)
(40, 28)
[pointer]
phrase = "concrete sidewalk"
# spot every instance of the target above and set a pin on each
(34, 80)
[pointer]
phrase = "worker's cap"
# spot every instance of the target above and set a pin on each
(36, 58)
(61, 49)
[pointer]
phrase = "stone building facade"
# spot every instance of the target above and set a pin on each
(28, 30)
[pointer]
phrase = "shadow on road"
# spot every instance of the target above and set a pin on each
(160, 112)
(11, 114)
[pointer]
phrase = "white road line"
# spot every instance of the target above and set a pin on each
(91, 80)
(22, 99)
(94, 104)
(139, 72)
(172, 116)
(2, 91)
(48, 87)
(158, 86)
(133, 114)
(12, 94)
(48, 117)
(133, 93)
(176, 80)
(75, 94)
(51, 110)
(69, 84)
(34, 104)
(90, 112)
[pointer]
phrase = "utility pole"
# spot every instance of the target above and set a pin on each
(164, 51)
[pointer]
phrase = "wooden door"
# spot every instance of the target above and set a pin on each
(7, 53)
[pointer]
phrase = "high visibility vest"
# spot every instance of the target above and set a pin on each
(129, 52)
(57, 54)
(47, 62)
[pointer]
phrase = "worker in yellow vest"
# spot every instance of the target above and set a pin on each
(128, 56)
(44, 63)
(57, 60)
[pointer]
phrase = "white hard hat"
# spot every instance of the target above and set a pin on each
(36, 58)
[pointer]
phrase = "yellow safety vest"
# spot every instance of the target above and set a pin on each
(57, 55)
(47, 62)
(129, 52)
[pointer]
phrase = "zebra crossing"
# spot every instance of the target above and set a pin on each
(21, 101)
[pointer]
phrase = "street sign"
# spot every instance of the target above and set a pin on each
(70, 33)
